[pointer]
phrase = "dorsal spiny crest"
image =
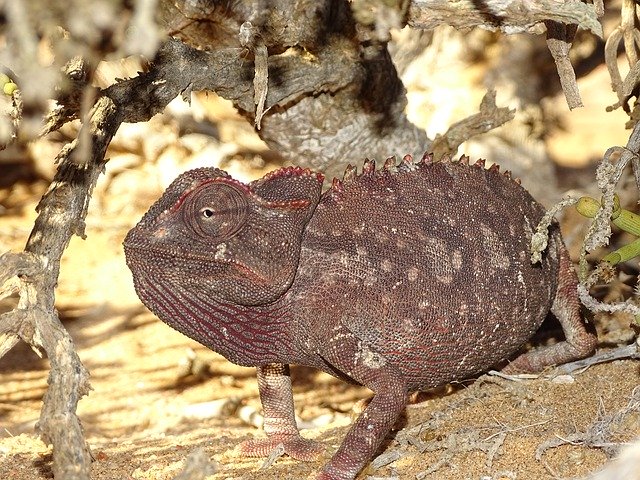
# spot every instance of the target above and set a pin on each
(337, 185)
(368, 167)
(349, 174)
(407, 164)
(390, 164)
(427, 158)
(480, 163)
(446, 158)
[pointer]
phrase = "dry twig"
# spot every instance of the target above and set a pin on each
(602, 433)
(628, 35)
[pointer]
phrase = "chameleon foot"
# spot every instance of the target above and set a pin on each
(294, 445)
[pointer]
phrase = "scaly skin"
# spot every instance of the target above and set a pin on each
(399, 279)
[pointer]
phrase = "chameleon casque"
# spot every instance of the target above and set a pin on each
(400, 278)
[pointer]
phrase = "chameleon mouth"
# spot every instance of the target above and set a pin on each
(147, 259)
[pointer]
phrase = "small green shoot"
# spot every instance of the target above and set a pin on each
(621, 218)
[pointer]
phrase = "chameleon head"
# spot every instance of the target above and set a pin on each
(211, 235)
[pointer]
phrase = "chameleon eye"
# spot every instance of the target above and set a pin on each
(215, 211)
(207, 212)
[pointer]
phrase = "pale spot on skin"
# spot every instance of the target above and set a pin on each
(441, 259)
(401, 244)
(412, 274)
(478, 266)
(386, 265)
(456, 259)
(493, 246)
(381, 237)
(436, 247)
(369, 358)
(221, 249)
(160, 233)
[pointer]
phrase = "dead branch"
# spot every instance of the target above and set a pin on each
(488, 118)
(561, 19)
(559, 38)
(61, 214)
(628, 35)
(508, 16)
(628, 351)
(601, 433)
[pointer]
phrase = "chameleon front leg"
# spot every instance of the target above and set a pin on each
(367, 433)
(349, 355)
(274, 384)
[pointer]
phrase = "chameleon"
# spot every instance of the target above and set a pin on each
(399, 278)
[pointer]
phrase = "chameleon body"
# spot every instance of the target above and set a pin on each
(400, 278)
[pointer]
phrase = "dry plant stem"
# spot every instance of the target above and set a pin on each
(627, 34)
(559, 38)
(13, 325)
(510, 16)
(61, 214)
(628, 351)
(489, 117)
(607, 176)
(77, 75)
(602, 433)
(630, 32)
(179, 69)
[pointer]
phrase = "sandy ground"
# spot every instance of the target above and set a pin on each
(158, 396)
